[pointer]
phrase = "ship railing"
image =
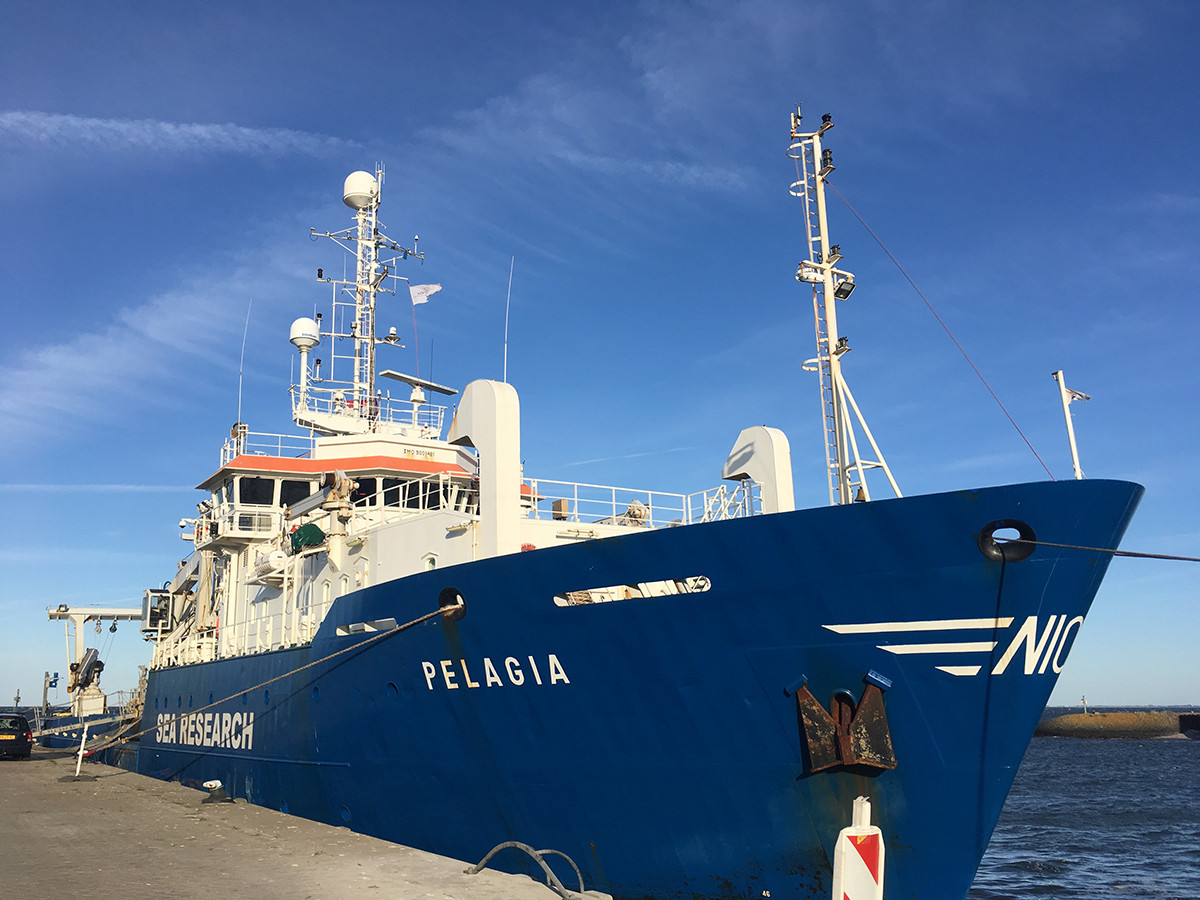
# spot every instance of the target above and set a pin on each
(726, 502)
(603, 504)
(121, 699)
(191, 649)
(261, 443)
(240, 522)
(384, 409)
(398, 497)
(261, 632)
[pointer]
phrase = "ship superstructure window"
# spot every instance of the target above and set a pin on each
(292, 491)
(424, 495)
(392, 491)
(364, 494)
(256, 491)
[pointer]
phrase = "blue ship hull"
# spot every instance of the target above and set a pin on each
(658, 741)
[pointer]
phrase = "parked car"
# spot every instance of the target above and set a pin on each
(16, 737)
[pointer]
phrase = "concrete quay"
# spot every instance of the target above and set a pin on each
(116, 834)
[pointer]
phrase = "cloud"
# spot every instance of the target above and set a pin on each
(1167, 203)
(702, 60)
(68, 132)
(134, 364)
(562, 119)
(602, 459)
(99, 488)
(54, 382)
(975, 56)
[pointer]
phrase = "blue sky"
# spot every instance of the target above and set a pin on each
(1032, 165)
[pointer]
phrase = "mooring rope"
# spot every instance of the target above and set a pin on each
(440, 611)
(1126, 553)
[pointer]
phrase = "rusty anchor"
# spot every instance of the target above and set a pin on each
(850, 734)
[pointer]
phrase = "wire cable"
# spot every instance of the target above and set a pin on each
(941, 322)
(440, 611)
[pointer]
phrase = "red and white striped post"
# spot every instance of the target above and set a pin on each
(858, 858)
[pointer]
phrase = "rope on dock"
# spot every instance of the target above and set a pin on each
(552, 881)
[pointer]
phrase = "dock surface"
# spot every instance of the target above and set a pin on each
(117, 834)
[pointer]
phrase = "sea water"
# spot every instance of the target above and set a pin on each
(1098, 818)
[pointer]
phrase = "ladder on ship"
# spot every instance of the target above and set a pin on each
(845, 466)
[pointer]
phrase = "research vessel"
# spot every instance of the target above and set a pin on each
(387, 624)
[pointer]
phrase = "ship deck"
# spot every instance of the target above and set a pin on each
(114, 833)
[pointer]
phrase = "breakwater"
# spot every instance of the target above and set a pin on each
(1140, 724)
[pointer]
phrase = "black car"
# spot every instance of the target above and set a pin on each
(16, 738)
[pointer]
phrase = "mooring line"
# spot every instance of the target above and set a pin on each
(1126, 553)
(440, 611)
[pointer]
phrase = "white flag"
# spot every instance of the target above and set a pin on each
(421, 293)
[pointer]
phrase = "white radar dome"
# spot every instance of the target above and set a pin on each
(305, 334)
(360, 191)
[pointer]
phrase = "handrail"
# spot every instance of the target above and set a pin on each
(262, 443)
(602, 504)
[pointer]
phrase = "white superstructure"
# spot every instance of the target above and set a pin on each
(380, 488)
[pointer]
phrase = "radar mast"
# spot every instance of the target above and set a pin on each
(336, 404)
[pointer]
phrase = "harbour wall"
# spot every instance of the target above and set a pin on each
(1139, 724)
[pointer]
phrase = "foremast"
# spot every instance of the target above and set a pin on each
(845, 465)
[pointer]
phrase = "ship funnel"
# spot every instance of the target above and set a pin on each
(361, 190)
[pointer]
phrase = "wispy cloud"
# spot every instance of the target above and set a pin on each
(975, 56)
(131, 366)
(41, 129)
(59, 382)
(601, 459)
(562, 119)
(699, 62)
(1167, 203)
(77, 554)
(98, 488)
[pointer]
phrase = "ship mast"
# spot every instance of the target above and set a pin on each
(356, 408)
(845, 466)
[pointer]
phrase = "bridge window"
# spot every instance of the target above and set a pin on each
(291, 491)
(364, 494)
(392, 490)
(256, 491)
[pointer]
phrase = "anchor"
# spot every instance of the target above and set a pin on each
(850, 734)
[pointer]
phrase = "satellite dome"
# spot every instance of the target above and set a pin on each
(361, 190)
(305, 334)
